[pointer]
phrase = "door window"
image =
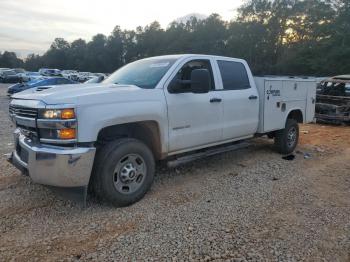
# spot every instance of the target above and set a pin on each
(185, 72)
(234, 75)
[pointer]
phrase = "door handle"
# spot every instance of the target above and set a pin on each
(215, 100)
(253, 97)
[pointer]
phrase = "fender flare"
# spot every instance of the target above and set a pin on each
(299, 112)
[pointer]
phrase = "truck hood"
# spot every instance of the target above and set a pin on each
(88, 94)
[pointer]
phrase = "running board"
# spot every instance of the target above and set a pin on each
(209, 152)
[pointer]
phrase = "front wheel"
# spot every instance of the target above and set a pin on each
(123, 171)
(287, 139)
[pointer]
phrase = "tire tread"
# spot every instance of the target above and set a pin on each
(281, 137)
(101, 159)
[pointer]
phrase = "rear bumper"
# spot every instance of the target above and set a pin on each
(52, 165)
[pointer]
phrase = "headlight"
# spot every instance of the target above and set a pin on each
(67, 113)
(57, 125)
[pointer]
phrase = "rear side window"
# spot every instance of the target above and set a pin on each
(234, 75)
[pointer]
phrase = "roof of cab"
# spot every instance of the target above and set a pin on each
(177, 56)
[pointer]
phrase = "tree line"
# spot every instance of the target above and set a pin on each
(291, 37)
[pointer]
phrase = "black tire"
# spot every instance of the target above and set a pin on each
(283, 142)
(105, 177)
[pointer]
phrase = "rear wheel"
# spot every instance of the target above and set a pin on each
(287, 139)
(123, 171)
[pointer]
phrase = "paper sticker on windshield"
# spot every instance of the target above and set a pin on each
(160, 64)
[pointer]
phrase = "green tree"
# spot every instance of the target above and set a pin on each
(97, 54)
(77, 55)
(305, 37)
(150, 40)
(57, 55)
(115, 49)
(33, 62)
(10, 59)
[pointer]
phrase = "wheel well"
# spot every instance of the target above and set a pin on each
(145, 131)
(297, 115)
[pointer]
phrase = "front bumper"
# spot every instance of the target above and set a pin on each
(52, 165)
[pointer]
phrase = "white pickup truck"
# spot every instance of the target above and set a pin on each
(109, 136)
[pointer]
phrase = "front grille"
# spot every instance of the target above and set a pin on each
(23, 111)
(27, 130)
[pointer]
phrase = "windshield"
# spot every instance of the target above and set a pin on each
(143, 73)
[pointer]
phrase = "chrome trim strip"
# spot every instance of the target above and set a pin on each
(56, 123)
(60, 106)
(58, 141)
(25, 121)
(27, 103)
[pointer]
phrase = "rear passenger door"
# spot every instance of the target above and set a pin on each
(240, 99)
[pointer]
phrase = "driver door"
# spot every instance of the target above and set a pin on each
(195, 120)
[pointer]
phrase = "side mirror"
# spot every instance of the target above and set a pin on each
(200, 81)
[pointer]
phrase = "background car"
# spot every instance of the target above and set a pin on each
(84, 76)
(101, 74)
(19, 70)
(50, 72)
(4, 69)
(333, 100)
(39, 83)
(29, 76)
(9, 76)
(95, 80)
(70, 74)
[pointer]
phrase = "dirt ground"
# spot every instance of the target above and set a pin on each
(249, 205)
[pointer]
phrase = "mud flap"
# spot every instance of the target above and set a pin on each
(75, 194)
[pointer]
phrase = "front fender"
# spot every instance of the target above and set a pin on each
(93, 118)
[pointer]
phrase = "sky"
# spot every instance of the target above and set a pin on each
(30, 26)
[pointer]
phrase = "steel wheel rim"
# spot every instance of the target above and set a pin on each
(129, 174)
(291, 137)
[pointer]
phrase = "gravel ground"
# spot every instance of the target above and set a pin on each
(248, 205)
